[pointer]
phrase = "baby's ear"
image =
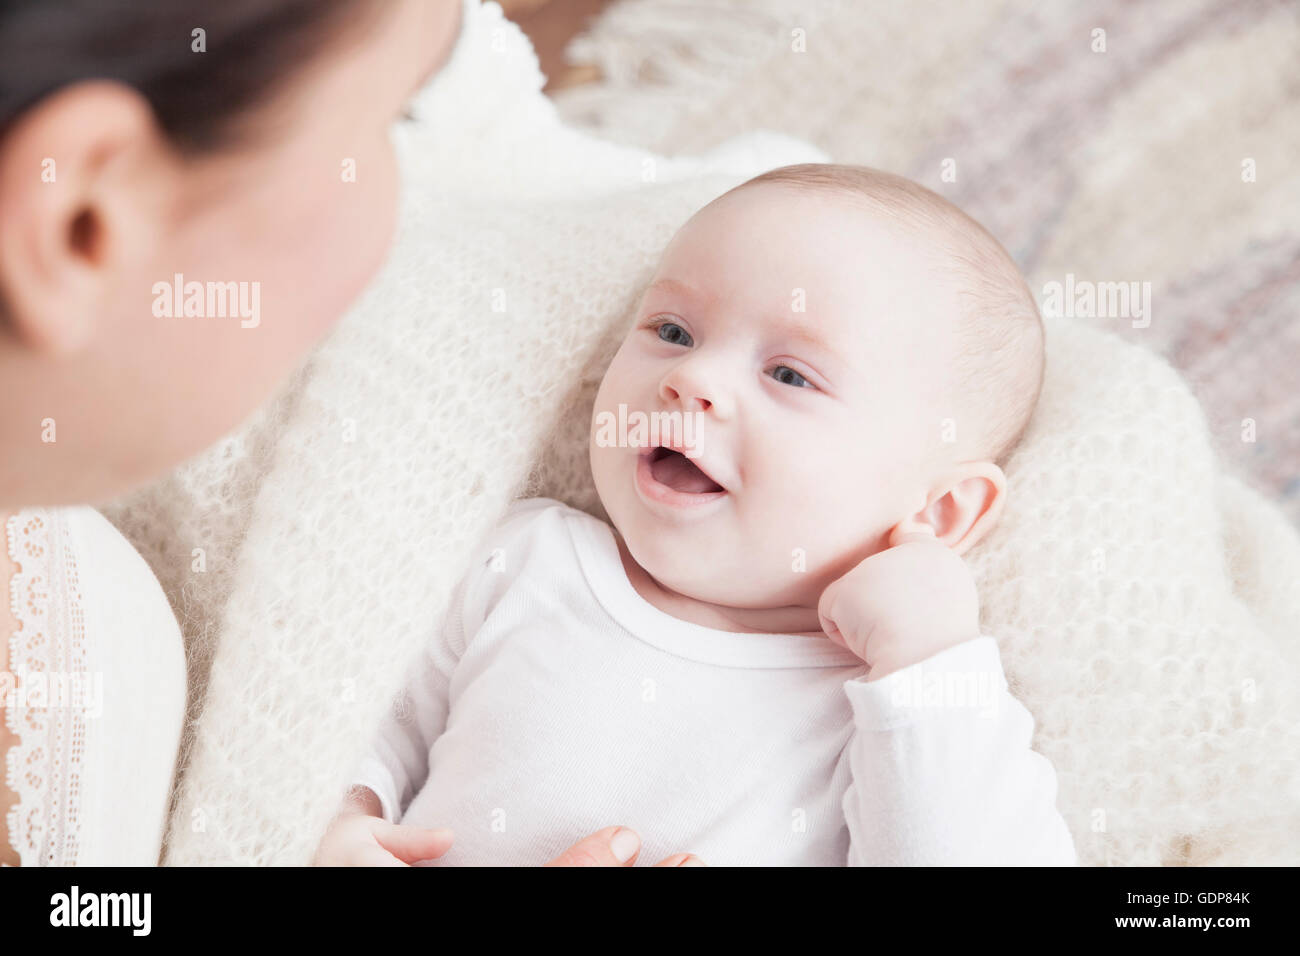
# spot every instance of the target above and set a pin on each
(961, 510)
(910, 529)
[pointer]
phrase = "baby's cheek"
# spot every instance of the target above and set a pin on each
(776, 548)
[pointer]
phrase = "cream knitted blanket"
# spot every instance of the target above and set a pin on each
(1145, 602)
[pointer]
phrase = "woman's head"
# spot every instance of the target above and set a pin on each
(242, 147)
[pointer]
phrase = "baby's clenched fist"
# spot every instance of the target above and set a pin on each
(902, 605)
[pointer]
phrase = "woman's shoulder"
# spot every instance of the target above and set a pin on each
(91, 627)
(72, 554)
(75, 535)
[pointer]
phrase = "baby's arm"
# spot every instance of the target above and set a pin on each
(941, 770)
(397, 763)
(939, 759)
(365, 832)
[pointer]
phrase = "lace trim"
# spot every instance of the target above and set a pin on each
(47, 656)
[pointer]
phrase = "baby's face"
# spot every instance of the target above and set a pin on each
(812, 342)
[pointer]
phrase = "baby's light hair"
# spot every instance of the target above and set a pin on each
(1001, 355)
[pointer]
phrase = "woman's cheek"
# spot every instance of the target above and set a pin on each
(360, 238)
(382, 207)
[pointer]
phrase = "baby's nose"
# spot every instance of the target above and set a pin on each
(688, 402)
(693, 386)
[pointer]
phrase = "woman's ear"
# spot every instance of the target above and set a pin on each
(78, 172)
(962, 510)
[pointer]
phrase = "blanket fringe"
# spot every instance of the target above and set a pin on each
(655, 57)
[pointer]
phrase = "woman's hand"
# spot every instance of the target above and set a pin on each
(615, 846)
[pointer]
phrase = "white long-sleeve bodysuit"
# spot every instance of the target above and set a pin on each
(556, 701)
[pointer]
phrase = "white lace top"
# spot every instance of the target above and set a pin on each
(95, 693)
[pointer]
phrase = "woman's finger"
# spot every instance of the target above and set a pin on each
(612, 846)
(682, 859)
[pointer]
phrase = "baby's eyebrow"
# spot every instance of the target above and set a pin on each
(676, 287)
(804, 332)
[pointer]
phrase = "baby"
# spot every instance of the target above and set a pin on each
(771, 654)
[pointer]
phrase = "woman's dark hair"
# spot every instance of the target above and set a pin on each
(251, 46)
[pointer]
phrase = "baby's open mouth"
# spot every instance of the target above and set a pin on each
(676, 471)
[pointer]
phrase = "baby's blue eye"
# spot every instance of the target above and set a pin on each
(788, 376)
(674, 333)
